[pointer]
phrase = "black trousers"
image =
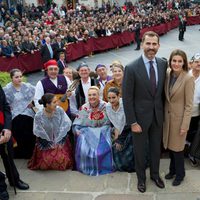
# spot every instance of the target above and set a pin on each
(151, 135)
(177, 164)
(9, 165)
(3, 186)
(193, 128)
(137, 39)
(181, 35)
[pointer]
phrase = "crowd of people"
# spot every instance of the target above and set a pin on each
(97, 124)
(26, 30)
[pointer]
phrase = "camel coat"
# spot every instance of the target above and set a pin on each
(178, 110)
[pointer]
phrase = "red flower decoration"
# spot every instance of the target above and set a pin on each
(85, 108)
(98, 115)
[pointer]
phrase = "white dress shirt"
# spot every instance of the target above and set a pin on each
(86, 87)
(39, 91)
(147, 66)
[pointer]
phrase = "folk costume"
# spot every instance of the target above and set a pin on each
(93, 152)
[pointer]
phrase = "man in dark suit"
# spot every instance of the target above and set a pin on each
(6, 50)
(6, 150)
(137, 35)
(182, 27)
(47, 50)
(61, 63)
(27, 46)
(87, 79)
(58, 47)
(143, 105)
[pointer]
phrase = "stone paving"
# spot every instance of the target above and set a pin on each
(72, 185)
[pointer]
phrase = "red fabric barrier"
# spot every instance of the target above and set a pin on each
(193, 20)
(103, 43)
(74, 51)
(6, 64)
(30, 63)
(126, 38)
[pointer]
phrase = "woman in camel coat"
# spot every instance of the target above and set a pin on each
(179, 90)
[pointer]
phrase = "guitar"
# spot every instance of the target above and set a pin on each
(62, 98)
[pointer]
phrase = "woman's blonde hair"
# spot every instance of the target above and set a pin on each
(94, 88)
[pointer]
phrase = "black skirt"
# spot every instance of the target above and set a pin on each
(124, 159)
(22, 131)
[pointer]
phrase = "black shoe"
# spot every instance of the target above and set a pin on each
(169, 176)
(176, 182)
(193, 162)
(141, 186)
(4, 195)
(21, 185)
(137, 49)
(159, 182)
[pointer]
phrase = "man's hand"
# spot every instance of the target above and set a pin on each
(69, 93)
(5, 136)
(116, 134)
(182, 132)
(118, 146)
(136, 128)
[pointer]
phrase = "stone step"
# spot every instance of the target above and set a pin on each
(72, 185)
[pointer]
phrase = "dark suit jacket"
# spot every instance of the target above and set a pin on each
(27, 47)
(57, 49)
(139, 103)
(61, 66)
(6, 51)
(5, 109)
(46, 56)
(17, 49)
(80, 96)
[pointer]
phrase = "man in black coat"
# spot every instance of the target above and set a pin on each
(182, 27)
(87, 80)
(6, 150)
(47, 50)
(27, 46)
(61, 63)
(143, 87)
(137, 35)
(58, 47)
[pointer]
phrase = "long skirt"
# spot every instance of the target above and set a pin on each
(124, 158)
(93, 153)
(57, 158)
(22, 131)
